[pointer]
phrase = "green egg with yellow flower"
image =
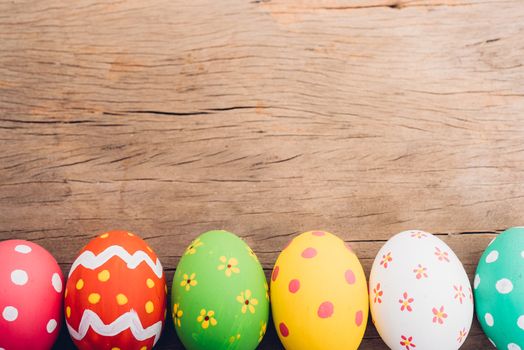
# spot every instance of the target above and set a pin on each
(219, 298)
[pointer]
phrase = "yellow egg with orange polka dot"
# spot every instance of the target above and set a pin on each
(115, 296)
(319, 294)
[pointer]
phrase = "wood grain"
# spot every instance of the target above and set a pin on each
(264, 117)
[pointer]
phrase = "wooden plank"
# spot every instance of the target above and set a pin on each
(267, 118)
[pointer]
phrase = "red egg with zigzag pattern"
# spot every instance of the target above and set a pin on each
(115, 296)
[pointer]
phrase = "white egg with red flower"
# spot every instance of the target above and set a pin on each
(420, 294)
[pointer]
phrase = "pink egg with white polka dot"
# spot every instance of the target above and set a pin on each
(30, 296)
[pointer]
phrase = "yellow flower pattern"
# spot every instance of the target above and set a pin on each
(263, 327)
(248, 303)
(207, 318)
(252, 253)
(233, 338)
(188, 281)
(177, 314)
(230, 266)
(192, 249)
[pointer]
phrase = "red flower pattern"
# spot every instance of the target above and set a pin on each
(420, 272)
(378, 294)
(462, 335)
(405, 303)
(386, 259)
(418, 235)
(439, 315)
(459, 294)
(441, 255)
(407, 342)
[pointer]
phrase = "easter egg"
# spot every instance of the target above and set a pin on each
(420, 295)
(219, 298)
(499, 290)
(319, 294)
(30, 296)
(115, 296)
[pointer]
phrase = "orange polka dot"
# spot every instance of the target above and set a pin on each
(80, 284)
(103, 276)
(150, 307)
(68, 312)
(150, 283)
(105, 235)
(121, 299)
(94, 298)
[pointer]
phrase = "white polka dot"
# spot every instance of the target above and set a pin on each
(492, 342)
(520, 322)
(504, 286)
(22, 248)
(522, 253)
(19, 277)
(492, 257)
(10, 313)
(51, 326)
(476, 281)
(513, 346)
(489, 319)
(57, 282)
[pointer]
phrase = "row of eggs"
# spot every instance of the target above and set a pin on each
(115, 296)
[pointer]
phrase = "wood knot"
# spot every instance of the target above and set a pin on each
(396, 5)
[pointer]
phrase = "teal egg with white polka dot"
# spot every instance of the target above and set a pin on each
(499, 290)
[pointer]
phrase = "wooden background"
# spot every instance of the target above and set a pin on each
(266, 118)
